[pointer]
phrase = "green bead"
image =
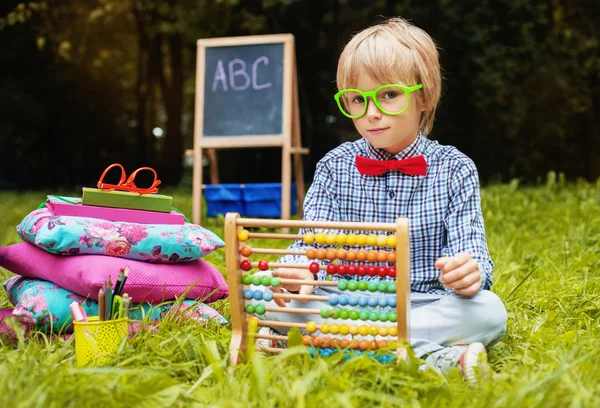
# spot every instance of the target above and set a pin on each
(250, 309)
(247, 279)
(363, 315)
(335, 314)
(392, 317)
(391, 287)
(372, 286)
(265, 281)
(383, 316)
(382, 287)
(354, 314)
(373, 316)
(362, 285)
(259, 309)
(325, 313)
(342, 284)
(256, 280)
(344, 313)
(352, 285)
(276, 281)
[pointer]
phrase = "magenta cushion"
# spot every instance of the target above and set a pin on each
(147, 282)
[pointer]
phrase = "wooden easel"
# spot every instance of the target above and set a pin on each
(289, 140)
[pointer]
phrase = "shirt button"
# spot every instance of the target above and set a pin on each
(392, 194)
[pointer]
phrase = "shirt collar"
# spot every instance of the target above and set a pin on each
(415, 148)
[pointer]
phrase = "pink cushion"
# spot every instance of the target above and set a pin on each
(85, 274)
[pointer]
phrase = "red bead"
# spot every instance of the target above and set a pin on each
(342, 269)
(362, 270)
(331, 268)
(351, 270)
(372, 271)
(392, 271)
(314, 267)
(246, 265)
(263, 265)
(382, 271)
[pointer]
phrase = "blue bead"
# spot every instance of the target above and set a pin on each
(258, 294)
(343, 300)
(382, 302)
(353, 300)
(248, 294)
(333, 300)
(363, 301)
(391, 301)
(373, 302)
(267, 295)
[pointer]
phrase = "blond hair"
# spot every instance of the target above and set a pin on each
(395, 51)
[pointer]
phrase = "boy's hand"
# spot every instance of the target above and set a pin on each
(286, 273)
(461, 273)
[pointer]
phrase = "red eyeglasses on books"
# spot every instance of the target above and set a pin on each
(128, 185)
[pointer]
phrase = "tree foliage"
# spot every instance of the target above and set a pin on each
(84, 84)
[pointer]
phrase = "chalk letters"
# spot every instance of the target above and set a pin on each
(237, 68)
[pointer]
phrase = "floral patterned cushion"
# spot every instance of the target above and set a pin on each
(44, 305)
(65, 235)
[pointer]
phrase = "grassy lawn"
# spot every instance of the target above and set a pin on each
(544, 241)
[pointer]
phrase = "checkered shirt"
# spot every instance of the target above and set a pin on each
(443, 207)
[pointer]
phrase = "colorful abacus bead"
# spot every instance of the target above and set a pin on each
(309, 238)
(314, 267)
(243, 235)
(246, 265)
(263, 265)
(246, 251)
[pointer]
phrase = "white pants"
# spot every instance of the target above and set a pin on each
(436, 321)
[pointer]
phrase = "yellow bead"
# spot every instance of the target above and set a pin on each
(243, 235)
(381, 240)
(351, 239)
(340, 239)
(309, 238)
(372, 240)
(325, 328)
(253, 323)
(344, 329)
(393, 330)
(354, 330)
(391, 241)
(334, 329)
(383, 331)
(330, 239)
(363, 330)
(311, 327)
(374, 330)
(320, 238)
(362, 239)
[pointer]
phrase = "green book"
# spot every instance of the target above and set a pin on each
(124, 199)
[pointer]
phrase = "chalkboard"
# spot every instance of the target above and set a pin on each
(243, 90)
(247, 96)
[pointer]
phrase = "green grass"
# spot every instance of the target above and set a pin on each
(544, 241)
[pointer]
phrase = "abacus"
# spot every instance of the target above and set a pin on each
(333, 247)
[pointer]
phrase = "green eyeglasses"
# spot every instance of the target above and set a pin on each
(390, 99)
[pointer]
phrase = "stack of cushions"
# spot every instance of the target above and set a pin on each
(66, 258)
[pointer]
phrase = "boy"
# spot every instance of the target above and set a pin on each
(389, 81)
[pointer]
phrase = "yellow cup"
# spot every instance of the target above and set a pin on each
(96, 341)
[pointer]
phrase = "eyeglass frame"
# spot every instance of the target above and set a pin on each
(373, 94)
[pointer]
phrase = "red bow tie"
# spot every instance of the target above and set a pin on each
(416, 166)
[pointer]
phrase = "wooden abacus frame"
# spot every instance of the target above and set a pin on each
(239, 319)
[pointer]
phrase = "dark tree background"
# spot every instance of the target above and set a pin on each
(83, 84)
